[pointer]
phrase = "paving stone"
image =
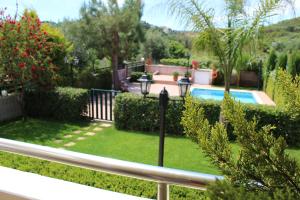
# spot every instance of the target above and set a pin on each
(105, 125)
(70, 144)
(68, 136)
(97, 129)
(90, 134)
(77, 132)
(81, 138)
(58, 141)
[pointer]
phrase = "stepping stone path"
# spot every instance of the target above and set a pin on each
(58, 141)
(105, 125)
(90, 134)
(97, 129)
(68, 136)
(77, 132)
(70, 144)
(81, 138)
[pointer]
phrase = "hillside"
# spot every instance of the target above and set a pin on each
(283, 36)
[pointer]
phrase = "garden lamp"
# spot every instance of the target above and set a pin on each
(184, 86)
(145, 84)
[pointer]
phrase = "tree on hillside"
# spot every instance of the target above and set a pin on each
(241, 27)
(112, 29)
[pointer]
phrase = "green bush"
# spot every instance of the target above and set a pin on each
(176, 49)
(93, 178)
(293, 64)
(282, 61)
(62, 103)
(132, 112)
(272, 60)
(134, 76)
(175, 61)
(100, 80)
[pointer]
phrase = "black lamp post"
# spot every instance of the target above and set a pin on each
(145, 84)
(184, 86)
(188, 56)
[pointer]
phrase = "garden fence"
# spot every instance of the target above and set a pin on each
(101, 104)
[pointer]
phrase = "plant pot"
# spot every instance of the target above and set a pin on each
(175, 78)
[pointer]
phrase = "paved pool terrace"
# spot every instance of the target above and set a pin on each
(260, 96)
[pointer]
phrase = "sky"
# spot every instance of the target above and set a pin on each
(155, 11)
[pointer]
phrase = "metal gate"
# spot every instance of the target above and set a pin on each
(101, 104)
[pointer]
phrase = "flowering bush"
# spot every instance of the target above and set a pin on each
(26, 52)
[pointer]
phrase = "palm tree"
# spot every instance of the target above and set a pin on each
(241, 28)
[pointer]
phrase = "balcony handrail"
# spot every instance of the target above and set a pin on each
(109, 165)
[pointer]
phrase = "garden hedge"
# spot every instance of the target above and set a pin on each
(175, 61)
(61, 104)
(134, 76)
(93, 178)
(132, 112)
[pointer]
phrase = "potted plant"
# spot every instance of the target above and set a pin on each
(175, 76)
(188, 74)
(195, 64)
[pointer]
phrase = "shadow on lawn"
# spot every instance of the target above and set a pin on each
(38, 131)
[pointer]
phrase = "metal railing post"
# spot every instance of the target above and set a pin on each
(163, 191)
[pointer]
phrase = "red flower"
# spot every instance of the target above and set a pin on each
(33, 68)
(24, 54)
(45, 33)
(22, 65)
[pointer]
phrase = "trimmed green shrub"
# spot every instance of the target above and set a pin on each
(93, 178)
(62, 103)
(134, 76)
(270, 84)
(132, 112)
(282, 61)
(271, 62)
(175, 61)
(101, 80)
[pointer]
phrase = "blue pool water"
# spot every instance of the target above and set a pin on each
(218, 95)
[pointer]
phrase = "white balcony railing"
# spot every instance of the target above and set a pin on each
(161, 175)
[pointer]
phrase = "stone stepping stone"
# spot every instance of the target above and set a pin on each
(69, 144)
(81, 138)
(58, 141)
(95, 124)
(97, 129)
(105, 125)
(90, 134)
(68, 136)
(77, 132)
(86, 128)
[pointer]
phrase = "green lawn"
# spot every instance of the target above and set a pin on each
(180, 153)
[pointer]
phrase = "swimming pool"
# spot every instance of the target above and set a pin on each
(218, 95)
